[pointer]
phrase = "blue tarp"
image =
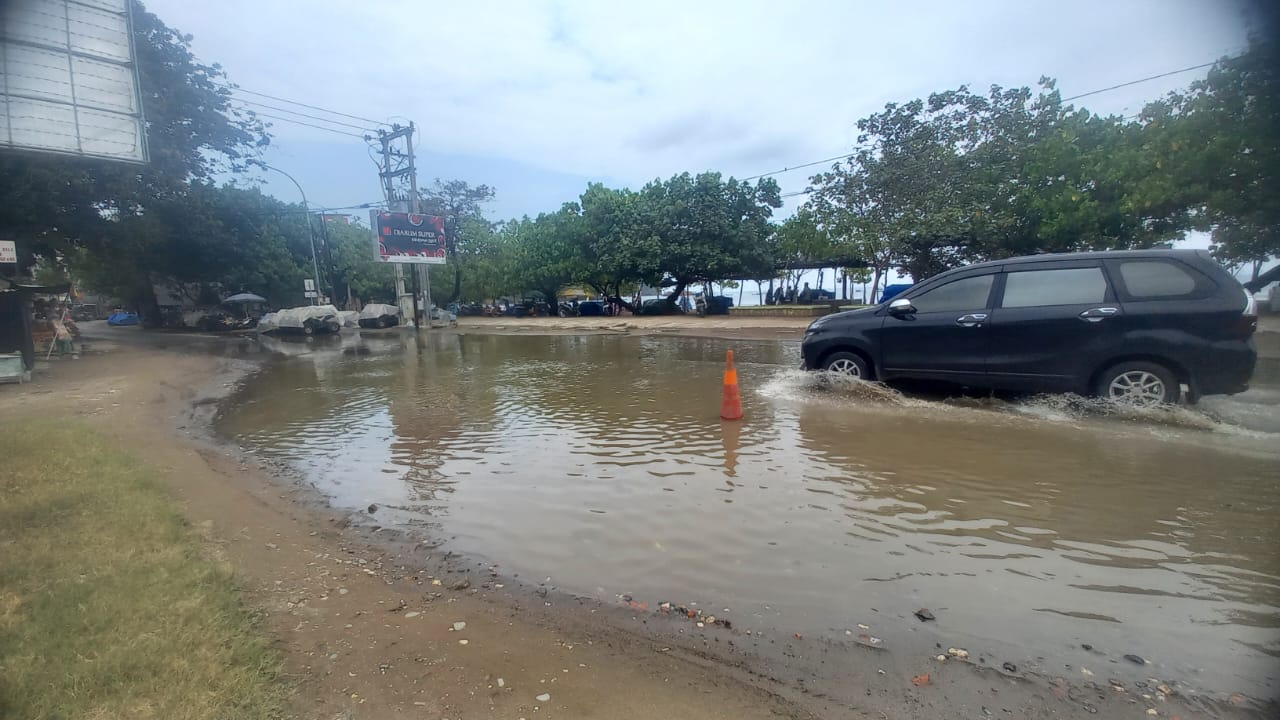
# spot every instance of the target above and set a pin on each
(122, 318)
(891, 290)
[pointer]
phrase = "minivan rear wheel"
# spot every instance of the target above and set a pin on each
(847, 363)
(1139, 384)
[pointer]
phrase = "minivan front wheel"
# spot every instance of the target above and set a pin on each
(1140, 384)
(847, 363)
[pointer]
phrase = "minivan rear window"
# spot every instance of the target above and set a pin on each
(1065, 286)
(1156, 279)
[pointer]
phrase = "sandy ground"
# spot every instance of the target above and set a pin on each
(365, 619)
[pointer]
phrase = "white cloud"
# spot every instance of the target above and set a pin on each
(648, 89)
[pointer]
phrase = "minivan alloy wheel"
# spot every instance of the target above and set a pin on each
(1137, 387)
(845, 367)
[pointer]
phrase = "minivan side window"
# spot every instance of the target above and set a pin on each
(969, 293)
(1156, 279)
(1066, 286)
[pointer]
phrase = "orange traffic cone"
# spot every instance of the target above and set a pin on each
(731, 403)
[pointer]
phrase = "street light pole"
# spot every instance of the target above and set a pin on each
(311, 237)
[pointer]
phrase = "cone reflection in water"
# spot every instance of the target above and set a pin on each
(731, 401)
(730, 439)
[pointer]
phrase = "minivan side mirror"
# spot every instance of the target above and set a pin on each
(901, 306)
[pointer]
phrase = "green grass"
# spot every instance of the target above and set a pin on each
(108, 609)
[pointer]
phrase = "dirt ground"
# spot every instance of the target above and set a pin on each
(369, 625)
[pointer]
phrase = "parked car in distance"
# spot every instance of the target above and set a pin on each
(1132, 326)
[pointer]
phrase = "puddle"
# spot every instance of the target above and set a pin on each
(1029, 527)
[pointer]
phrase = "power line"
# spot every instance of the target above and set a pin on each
(302, 114)
(797, 167)
(307, 124)
(1139, 81)
(237, 88)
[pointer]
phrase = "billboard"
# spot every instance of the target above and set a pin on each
(68, 80)
(408, 238)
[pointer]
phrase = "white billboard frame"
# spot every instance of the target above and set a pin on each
(69, 79)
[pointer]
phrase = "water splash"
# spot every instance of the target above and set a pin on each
(832, 388)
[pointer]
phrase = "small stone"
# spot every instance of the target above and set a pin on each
(459, 626)
(502, 683)
(343, 591)
(710, 619)
(1164, 689)
(863, 627)
(462, 584)
(925, 615)
(958, 653)
(436, 581)
(413, 614)
(543, 697)
(272, 546)
(373, 508)
(1086, 672)
(1135, 659)
(1152, 712)
(1010, 667)
(463, 642)
(701, 625)
(941, 658)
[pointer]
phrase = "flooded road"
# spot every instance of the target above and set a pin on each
(1030, 528)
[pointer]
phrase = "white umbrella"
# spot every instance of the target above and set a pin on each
(245, 298)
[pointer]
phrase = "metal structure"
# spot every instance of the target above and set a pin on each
(69, 79)
(399, 178)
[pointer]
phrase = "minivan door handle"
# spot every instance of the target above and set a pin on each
(1098, 314)
(971, 320)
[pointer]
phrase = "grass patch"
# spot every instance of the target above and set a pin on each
(107, 607)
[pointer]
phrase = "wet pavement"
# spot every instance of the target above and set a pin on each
(1031, 528)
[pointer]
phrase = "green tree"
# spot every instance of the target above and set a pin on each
(1215, 150)
(708, 228)
(462, 207)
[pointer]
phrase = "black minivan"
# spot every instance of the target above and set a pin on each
(1133, 326)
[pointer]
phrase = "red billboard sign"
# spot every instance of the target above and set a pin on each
(409, 238)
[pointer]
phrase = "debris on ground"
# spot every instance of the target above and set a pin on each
(1010, 667)
(373, 508)
(958, 653)
(921, 680)
(1135, 659)
(543, 697)
(462, 584)
(459, 626)
(925, 615)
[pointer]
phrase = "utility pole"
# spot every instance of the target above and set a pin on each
(423, 270)
(396, 165)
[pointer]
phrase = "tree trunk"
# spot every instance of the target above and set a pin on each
(741, 284)
(875, 287)
(844, 285)
(457, 283)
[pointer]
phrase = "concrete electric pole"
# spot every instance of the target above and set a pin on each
(398, 166)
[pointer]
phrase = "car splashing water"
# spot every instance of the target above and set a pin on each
(1031, 527)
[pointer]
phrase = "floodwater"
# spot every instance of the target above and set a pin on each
(1029, 527)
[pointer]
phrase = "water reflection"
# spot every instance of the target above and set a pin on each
(602, 462)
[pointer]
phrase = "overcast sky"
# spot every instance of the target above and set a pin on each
(538, 98)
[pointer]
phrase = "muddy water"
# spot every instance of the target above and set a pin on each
(1029, 528)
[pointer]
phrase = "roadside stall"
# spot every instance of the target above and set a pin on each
(21, 332)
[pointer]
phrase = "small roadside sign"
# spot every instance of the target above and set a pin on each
(310, 286)
(309, 293)
(8, 252)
